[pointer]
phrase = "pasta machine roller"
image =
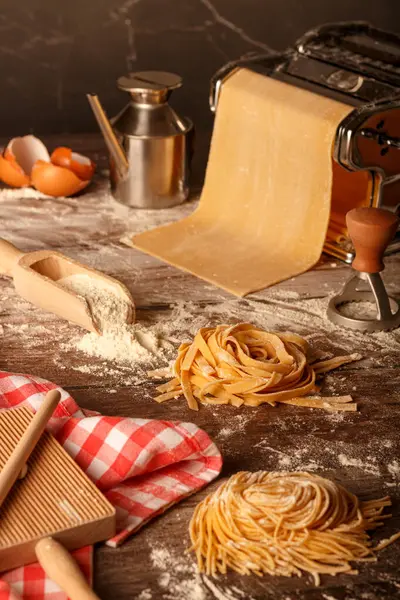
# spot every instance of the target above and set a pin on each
(358, 65)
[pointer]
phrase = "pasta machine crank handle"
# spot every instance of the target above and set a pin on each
(381, 137)
(371, 230)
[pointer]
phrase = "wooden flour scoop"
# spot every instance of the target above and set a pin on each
(54, 508)
(36, 274)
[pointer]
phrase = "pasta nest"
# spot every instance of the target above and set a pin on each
(284, 523)
(243, 364)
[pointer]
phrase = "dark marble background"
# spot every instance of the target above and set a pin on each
(54, 51)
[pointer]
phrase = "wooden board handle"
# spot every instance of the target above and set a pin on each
(22, 451)
(63, 570)
(9, 256)
(371, 230)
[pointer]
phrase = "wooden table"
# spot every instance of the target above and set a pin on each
(359, 450)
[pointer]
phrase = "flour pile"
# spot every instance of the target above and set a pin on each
(119, 342)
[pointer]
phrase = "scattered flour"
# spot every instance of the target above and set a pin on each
(325, 448)
(394, 468)
(99, 216)
(128, 352)
(236, 425)
(226, 432)
(161, 557)
(26, 192)
(164, 579)
(368, 463)
(180, 580)
(145, 595)
(119, 341)
(280, 311)
(358, 310)
(224, 593)
(123, 345)
(350, 462)
(178, 575)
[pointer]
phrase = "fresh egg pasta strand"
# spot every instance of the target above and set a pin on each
(242, 364)
(250, 526)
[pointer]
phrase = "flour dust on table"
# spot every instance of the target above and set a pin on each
(100, 217)
(358, 310)
(179, 580)
(119, 341)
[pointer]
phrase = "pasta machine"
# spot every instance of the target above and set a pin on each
(358, 65)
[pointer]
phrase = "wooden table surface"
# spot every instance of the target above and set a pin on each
(359, 450)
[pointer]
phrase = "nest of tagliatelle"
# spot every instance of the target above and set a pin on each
(245, 365)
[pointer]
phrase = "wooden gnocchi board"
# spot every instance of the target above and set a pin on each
(55, 498)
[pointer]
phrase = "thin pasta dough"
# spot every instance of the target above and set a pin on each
(242, 364)
(282, 523)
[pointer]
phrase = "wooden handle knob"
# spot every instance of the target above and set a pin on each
(63, 570)
(371, 230)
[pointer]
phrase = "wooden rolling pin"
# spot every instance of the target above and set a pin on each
(35, 276)
(22, 451)
(63, 569)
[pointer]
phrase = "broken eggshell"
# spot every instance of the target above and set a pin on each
(56, 181)
(18, 159)
(26, 161)
(26, 151)
(12, 174)
(81, 165)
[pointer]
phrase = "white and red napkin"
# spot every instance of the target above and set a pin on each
(142, 466)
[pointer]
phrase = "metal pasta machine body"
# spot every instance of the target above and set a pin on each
(358, 65)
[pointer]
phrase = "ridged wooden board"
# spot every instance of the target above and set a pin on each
(54, 499)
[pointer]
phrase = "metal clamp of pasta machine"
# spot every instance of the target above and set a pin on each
(371, 230)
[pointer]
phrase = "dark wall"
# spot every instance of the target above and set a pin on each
(54, 51)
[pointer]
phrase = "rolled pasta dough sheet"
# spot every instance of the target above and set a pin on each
(264, 210)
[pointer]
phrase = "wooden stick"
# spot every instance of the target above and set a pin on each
(9, 257)
(22, 451)
(63, 570)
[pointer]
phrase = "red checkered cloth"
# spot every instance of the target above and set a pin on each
(142, 466)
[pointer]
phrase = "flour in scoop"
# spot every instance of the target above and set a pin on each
(119, 342)
(106, 306)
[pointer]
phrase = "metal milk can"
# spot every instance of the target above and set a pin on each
(150, 145)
